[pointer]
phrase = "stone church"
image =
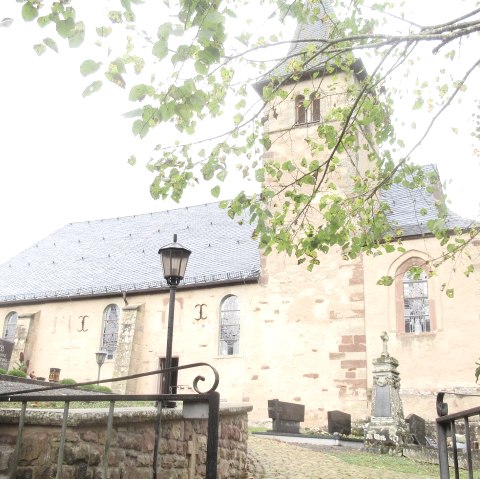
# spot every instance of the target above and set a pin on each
(271, 328)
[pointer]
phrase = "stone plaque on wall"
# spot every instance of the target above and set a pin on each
(6, 348)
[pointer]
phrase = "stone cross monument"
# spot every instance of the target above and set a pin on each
(387, 431)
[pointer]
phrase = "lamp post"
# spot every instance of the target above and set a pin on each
(174, 262)
(100, 356)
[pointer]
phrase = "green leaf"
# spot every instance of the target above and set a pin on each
(132, 160)
(260, 175)
(51, 44)
(215, 191)
(65, 28)
(160, 49)
(104, 31)
(138, 92)
(450, 292)
(126, 4)
(140, 128)
(78, 35)
(385, 281)
(89, 66)
(29, 12)
(43, 21)
(40, 48)
(92, 88)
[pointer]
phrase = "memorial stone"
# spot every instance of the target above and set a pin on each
(387, 431)
(339, 422)
(286, 417)
(6, 348)
(416, 427)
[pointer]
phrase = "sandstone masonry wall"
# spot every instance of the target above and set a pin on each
(182, 451)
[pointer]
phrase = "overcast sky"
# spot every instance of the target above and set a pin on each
(63, 158)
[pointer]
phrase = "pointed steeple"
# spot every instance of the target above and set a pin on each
(318, 27)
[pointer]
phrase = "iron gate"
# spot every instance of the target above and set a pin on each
(456, 439)
(210, 397)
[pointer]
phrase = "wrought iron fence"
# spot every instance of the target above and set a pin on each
(456, 440)
(210, 398)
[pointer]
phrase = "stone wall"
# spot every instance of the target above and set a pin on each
(182, 447)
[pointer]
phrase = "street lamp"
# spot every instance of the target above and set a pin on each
(100, 357)
(174, 262)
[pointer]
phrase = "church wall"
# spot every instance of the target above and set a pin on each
(302, 338)
(443, 359)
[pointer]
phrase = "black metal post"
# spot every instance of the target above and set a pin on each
(168, 355)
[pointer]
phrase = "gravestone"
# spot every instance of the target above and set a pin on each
(416, 427)
(286, 416)
(6, 348)
(339, 422)
(387, 431)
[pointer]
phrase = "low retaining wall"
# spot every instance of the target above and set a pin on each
(182, 446)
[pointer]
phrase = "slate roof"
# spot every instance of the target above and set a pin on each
(407, 205)
(121, 254)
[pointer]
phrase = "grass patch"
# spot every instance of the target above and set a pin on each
(254, 429)
(391, 463)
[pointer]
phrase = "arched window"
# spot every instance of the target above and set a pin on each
(415, 308)
(229, 326)
(10, 326)
(307, 112)
(315, 108)
(111, 319)
(300, 110)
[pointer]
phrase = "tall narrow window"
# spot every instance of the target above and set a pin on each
(300, 110)
(111, 319)
(416, 310)
(10, 326)
(229, 326)
(315, 108)
(307, 112)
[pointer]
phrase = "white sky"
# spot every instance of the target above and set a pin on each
(63, 158)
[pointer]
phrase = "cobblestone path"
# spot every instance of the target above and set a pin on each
(273, 459)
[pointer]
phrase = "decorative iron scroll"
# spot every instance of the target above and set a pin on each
(196, 380)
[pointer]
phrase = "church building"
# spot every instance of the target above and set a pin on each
(272, 329)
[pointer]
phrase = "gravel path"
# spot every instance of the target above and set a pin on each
(274, 459)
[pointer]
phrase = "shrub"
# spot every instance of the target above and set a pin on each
(3, 371)
(67, 381)
(96, 388)
(18, 373)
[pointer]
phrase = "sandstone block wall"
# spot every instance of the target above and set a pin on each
(182, 451)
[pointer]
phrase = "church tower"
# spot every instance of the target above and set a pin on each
(312, 323)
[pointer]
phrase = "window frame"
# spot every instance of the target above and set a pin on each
(7, 323)
(105, 321)
(401, 271)
(235, 347)
(307, 114)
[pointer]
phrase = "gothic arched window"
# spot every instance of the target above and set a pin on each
(307, 112)
(415, 309)
(111, 320)
(229, 338)
(10, 326)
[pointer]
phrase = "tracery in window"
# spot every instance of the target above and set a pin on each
(111, 319)
(229, 341)
(416, 308)
(10, 326)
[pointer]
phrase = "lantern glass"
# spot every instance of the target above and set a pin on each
(174, 261)
(100, 356)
